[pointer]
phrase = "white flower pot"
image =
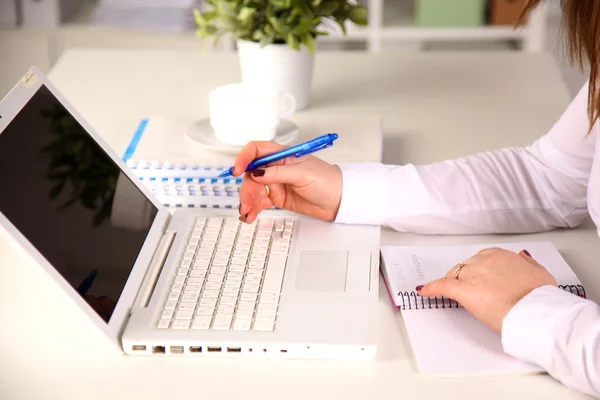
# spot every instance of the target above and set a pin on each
(278, 65)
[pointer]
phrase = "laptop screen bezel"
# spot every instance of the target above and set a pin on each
(10, 106)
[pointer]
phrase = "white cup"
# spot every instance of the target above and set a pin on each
(240, 113)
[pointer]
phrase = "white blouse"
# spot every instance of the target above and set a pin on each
(555, 182)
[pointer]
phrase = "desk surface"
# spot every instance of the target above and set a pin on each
(434, 106)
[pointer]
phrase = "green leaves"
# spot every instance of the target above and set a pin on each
(295, 22)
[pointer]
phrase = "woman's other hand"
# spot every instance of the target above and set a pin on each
(490, 283)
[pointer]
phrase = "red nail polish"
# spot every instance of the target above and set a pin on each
(418, 288)
(258, 172)
(526, 252)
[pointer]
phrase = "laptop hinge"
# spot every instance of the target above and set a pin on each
(156, 266)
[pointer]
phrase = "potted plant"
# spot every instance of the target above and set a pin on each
(276, 38)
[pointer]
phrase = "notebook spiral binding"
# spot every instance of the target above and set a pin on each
(413, 301)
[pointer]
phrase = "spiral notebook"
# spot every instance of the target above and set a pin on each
(445, 338)
(189, 179)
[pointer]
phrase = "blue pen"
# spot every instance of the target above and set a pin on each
(300, 150)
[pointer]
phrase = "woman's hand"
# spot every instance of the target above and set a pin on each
(491, 283)
(306, 185)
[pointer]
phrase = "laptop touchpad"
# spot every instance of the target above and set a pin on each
(322, 271)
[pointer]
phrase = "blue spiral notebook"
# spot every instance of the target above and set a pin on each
(185, 182)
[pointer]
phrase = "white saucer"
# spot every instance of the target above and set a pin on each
(202, 134)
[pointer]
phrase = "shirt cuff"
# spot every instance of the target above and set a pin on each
(364, 194)
(528, 330)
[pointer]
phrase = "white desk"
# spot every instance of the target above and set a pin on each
(435, 106)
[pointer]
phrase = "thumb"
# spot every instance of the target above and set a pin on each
(447, 287)
(293, 174)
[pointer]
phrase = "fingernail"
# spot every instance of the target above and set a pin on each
(258, 172)
(419, 288)
(240, 209)
(526, 252)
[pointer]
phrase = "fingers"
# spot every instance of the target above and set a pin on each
(447, 287)
(289, 174)
(252, 151)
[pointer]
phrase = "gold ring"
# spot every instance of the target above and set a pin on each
(268, 190)
(458, 269)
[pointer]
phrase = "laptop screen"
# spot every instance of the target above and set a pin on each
(71, 201)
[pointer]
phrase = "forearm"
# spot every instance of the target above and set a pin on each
(506, 190)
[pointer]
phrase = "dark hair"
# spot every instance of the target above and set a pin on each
(581, 27)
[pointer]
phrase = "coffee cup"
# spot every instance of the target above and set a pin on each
(240, 113)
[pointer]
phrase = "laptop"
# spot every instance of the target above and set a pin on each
(185, 282)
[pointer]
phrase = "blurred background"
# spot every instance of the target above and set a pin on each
(37, 32)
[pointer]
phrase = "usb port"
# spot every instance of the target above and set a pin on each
(139, 347)
(195, 349)
(212, 349)
(234, 349)
(176, 349)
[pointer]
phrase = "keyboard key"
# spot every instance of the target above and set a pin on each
(170, 305)
(194, 240)
(187, 306)
(263, 326)
(177, 287)
(222, 254)
(184, 314)
(254, 273)
(235, 275)
(279, 249)
(173, 296)
(195, 281)
(233, 283)
(192, 289)
(267, 308)
(185, 264)
(183, 271)
(250, 288)
(215, 278)
(202, 322)
(208, 301)
(269, 298)
(198, 264)
(249, 297)
(190, 297)
(188, 256)
(167, 314)
(230, 292)
(246, 313)
(274, 274)
(226, 308)
(237, 268)
(253, 280)
(198, 273)
(212, 286)
(222, 322)
(205, 310)
(256, 265)
(181, 324)
(204, 251)
(179, 279)
(214, 221)
(246, 305)
(191, 248)
(229, 299)
(265, 316)
(218, 270)
(211, 294)
(242, 324)
(163, 324)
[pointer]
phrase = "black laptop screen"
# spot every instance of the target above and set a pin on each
(71, 201)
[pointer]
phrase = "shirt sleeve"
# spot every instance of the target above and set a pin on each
(560, 332)
(510, 190)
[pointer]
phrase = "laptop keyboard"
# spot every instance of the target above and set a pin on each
(230, 276)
